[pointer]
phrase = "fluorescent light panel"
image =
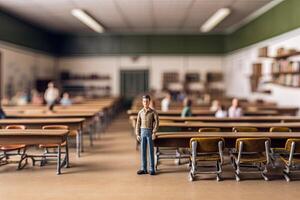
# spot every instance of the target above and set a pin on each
(87, 20)
(215, 19)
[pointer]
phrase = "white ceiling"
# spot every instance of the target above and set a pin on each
(147, 16)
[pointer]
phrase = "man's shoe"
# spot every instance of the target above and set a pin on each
(141, 172)
(152, 173)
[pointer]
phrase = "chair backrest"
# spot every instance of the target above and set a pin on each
(288, 145)
(244, 129)
(62, 127)
(20, 127)
(280, 129)
(252, 144)
(209, 129)
(207, 145)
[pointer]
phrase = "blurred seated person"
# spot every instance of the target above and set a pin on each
(51, 95)
(165, 103)
(65, 100)
(235, 110)
(20, 99)
(36, 98)
(215, 105)
(221, 112)
(152, 104)
(187, 109)
(2, 114)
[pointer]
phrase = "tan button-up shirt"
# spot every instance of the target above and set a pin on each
(147, 118)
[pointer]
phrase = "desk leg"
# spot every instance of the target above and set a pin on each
(78, 141)
(58, 160)
(67, 158)
(91, 134)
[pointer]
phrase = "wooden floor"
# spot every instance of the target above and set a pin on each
(108, 171)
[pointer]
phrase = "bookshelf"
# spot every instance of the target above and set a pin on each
(284, 70)
(96, 85)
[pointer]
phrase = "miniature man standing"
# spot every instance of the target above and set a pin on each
(146, 127)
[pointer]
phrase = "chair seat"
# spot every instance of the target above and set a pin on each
(73, 133)
(51, 145)
(12, 147)
(251, 158)
(209, 157)
(285, 158)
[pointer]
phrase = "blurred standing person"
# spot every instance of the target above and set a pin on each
(235, 110)
(51, 95)
(165, 103)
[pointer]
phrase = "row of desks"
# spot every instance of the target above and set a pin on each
(194, 126)
(79, 118)
(208, 113)
(182, 139)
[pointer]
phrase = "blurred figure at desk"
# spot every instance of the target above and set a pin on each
(187, 109)
(235, 110)
(65, 100)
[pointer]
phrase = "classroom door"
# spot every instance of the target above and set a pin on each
(133, 83)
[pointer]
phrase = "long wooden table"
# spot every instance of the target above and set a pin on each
(36, 137)
(182, 139)
(74, 124)
(257, 119)
(90, 117)
(194, 126)
(207, 113)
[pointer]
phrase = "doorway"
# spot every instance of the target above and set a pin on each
(133, 83)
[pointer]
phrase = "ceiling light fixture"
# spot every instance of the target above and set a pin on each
(215, 19)
(87, 20)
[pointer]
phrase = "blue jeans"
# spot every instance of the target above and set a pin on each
(146, 138)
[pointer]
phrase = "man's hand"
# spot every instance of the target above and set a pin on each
(153, 136)
(138, 138)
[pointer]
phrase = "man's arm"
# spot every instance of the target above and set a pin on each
(155, 123)
(138, 125)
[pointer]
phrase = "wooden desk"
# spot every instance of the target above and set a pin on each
(182, 139)
(257, 119)
(90, 117)
(194, 126)
(74, 124)
(207, 113)
(36, 137)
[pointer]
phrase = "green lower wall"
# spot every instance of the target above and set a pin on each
(280, 19)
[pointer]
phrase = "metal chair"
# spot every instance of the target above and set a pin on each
(14, 149)
(251, 153)
(209, 130)
(208, 149)
(277, 151)
(291, 158)
(244, 129)
(50, 149)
